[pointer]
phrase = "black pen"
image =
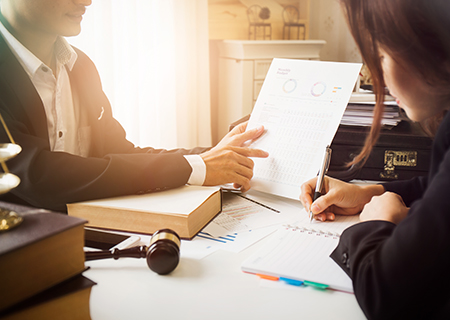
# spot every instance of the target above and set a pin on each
(320, 177)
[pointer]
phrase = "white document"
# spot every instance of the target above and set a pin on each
(301, 104)
(242, 214)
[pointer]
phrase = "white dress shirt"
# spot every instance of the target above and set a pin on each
(54, 90)
(59, 104)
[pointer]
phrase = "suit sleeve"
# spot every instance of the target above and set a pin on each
(409, 190)
(401, 272)
(115, 166)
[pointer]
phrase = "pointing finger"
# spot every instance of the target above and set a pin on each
(249, 152)
(249, 135)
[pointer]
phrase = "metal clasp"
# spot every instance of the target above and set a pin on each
(399, 159)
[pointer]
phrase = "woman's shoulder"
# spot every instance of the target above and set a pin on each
(443, 131)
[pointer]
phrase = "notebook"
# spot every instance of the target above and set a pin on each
(300, 255)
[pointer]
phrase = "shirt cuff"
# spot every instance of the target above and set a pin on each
(198, 166)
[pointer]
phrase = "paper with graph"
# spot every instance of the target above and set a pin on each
(300, 104)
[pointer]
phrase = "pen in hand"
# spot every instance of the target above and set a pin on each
(320, 177)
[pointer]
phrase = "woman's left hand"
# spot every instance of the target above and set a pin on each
(389, 207)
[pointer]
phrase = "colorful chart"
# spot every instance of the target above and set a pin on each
(290, 85)
(318, 89)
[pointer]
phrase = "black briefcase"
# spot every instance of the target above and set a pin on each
(400, 153)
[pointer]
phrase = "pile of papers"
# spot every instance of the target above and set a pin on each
(359, 111)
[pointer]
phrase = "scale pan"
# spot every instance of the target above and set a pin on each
(9, 150)
(8, 181)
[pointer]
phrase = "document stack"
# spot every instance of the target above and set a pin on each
(359, 111)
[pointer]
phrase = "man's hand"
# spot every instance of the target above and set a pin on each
(229, 161)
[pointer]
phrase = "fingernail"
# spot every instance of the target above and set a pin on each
(315, 208)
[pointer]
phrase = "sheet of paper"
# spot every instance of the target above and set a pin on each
(335, 227)
(291, 208)
(239, 214)
(204, 244)
(300, 104)
(299, 217)
(242, 228)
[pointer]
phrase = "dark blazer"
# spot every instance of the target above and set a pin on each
(403, 271)
(114, 165)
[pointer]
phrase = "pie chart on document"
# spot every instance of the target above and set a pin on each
(318, 89)
(290, 85)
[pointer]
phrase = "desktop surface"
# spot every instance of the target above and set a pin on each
(213, 287)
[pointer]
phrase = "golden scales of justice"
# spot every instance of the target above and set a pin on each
(8, 181)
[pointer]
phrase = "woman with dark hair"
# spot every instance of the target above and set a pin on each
(399, 255)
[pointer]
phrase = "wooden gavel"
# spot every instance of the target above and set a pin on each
(163, 253)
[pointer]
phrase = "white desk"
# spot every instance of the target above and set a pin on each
(211, 288)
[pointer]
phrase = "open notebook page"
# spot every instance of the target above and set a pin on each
(300, 254)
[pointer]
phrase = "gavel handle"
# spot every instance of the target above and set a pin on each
(135, 252)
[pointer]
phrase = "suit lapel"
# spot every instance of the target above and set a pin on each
(88, 92)
(14, 76)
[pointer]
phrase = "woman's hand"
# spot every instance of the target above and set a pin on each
(389, 207)
(229, 160)
(338, 198)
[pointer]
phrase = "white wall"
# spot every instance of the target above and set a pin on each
(327, 22)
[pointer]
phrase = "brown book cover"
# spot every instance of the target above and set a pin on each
(45, 249)
(186, 210)
(66, 300)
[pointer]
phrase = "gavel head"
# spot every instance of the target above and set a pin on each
(163, 252)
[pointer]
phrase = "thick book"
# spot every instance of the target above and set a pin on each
(45, 249)
(300, 255)
(186, 210)
(68, 300)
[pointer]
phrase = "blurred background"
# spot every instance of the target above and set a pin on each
(165, 64)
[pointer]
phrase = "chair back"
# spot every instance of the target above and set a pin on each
(290, 14)
(253, 14)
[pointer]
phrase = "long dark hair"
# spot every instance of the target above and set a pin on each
(413, 32)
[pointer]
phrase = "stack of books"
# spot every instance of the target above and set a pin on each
(41, 265)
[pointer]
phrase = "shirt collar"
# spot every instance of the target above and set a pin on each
(64, 52)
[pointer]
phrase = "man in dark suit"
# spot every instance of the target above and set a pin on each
(73, 149)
